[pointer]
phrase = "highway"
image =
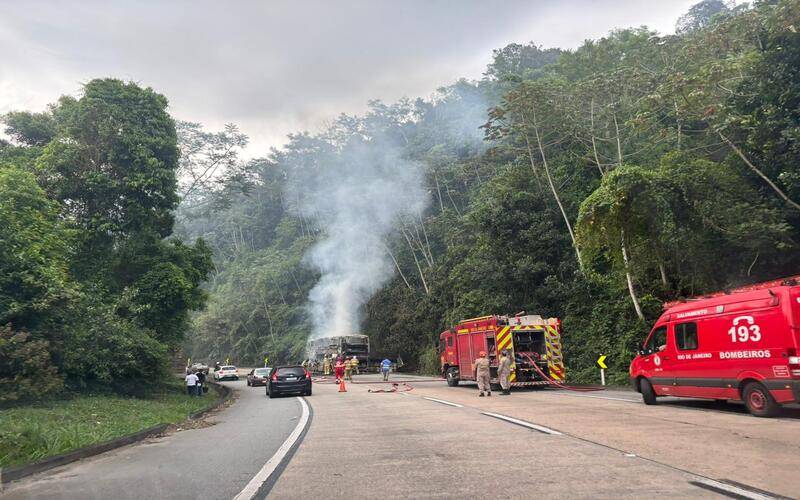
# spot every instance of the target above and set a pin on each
(216, 459)
(435, 441)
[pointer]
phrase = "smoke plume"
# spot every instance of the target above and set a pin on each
(355, 198)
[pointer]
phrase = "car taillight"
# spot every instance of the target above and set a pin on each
(308, 375)
(275, 376)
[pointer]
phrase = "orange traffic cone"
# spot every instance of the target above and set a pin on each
(342, 388)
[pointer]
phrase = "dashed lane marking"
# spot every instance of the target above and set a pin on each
(442, 401)
(733, 491)
(522, 423)
(599, 397)
(268, 469)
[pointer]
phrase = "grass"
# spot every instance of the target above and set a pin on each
(33, 432)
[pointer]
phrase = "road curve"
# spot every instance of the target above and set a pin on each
(213, 462)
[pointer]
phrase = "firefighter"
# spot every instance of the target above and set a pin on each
(348, 369)
(504, 368)
(482, 374)
(326, 366)
(338, 369)
(354, 364)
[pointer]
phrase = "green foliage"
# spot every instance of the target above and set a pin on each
(86, 202)
(34, 250)
(35, 432)
(681, 149)
(26, 369)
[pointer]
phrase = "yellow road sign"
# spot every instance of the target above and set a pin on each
(601, 361)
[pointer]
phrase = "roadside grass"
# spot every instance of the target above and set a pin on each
(33, 432)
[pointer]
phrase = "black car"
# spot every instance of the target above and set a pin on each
(289, 379)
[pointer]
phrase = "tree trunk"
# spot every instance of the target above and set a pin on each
(758, 172)
(554, 191)
(438, 191)
(416, 261)
(400, 271)
(629, 278)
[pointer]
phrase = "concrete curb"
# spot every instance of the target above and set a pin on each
(13, 473)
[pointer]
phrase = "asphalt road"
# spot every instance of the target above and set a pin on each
(434, 441)
(210, 462)
(439, 442)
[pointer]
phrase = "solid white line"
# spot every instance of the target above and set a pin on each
(266, 471)
(444, 402)
(523, 423)
(735, 490)
(600, 397)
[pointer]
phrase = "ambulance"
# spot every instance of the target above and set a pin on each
(740, 344)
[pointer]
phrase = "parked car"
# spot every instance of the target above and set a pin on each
(735, 345)
(226, 372)
(289, 379)
(259, 376)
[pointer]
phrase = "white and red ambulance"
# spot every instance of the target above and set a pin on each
(741, 344)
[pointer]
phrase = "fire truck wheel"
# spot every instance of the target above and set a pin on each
(759, 401)
(648, 394)
(452, 377)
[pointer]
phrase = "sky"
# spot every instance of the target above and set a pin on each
(276, 67)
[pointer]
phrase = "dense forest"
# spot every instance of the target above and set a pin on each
(94, 295)
(590, 184)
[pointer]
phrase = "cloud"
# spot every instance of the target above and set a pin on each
(281, 66)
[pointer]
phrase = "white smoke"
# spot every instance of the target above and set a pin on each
(356, 199)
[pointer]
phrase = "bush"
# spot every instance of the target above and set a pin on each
(26, 370)
(104, 350)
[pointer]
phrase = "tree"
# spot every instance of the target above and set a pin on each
(34, 251)
(701, 15)
(113, 165)
(31, 129)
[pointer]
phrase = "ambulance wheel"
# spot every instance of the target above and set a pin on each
(759, 401)
(648, 394)
(452, 377)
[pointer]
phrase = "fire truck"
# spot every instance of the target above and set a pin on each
(533, 342)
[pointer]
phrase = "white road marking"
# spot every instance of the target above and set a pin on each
(266, 471)
(600, 397)
(444, 402)
(734, 489)
(523, 423)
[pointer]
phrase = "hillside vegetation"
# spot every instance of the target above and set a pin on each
(591, 185)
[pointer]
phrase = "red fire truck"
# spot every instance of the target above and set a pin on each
(529, 339)
(739, 344)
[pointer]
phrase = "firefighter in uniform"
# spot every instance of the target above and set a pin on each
(482, 374)
(348, 369)
(504, 368)
(354, 364)
(326, 366)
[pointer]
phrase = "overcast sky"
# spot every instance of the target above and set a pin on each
(275, 67)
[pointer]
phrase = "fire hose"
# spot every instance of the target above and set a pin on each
(395, 388)
(553, 382)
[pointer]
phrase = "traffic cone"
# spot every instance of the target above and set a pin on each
(342, 388)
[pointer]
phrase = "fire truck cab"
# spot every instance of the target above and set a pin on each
(530, 340)
(735, 345)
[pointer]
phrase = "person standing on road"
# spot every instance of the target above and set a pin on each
(201, 382)
(191, 384)
(354, 364)
(339, 370)
(386, 365)
(504, 369)
(326, 366)
(348, 369)
(482, 374)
